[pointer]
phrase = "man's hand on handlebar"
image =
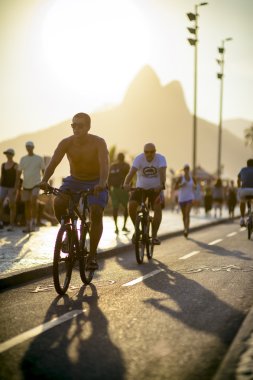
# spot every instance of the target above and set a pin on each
(43, 185)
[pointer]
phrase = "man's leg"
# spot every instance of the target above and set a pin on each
(157, 219)
(60, 207)
(125, 218)
(132, 208)
(115, 218)
(33, 212)
(96, 229)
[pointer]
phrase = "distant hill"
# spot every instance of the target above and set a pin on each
(237, 126)
(149, 112)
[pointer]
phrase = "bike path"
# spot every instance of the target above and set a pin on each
(24, 257)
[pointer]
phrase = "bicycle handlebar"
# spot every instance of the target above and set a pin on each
(56, 191)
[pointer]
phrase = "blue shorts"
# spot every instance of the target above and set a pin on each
(185, 203)
(76, 185)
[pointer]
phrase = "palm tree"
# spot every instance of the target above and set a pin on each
(248, 135)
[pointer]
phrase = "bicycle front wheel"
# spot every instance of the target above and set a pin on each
(139, 240)
(149, 240)
(86, 275)
(63, 260)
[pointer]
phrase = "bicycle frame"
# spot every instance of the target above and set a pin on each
(71, 245)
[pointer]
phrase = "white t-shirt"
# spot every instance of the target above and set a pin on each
(31, 166)
(148, 175)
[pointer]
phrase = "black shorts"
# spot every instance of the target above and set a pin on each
(150, 194)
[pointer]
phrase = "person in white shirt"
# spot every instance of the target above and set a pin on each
(185, 186)
(32, 166)
(150, 168)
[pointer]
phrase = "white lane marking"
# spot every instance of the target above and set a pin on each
(215, 242)
(139, 279)
(232, 234)
(189, 255)
(38, 330)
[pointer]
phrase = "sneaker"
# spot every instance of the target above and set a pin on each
(116, 230)
(185, 233)
(92, 265)
(242, 222)
(125, 229)
(156, 241)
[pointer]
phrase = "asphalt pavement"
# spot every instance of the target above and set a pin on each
(24, 257)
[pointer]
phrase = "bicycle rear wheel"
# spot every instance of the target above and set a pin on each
(63, 260)
(149, 240)
(86, 275)
(139, 240)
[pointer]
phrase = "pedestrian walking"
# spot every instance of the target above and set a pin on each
(218, 197)
(7, 189)
(31, 167)
(119, 196)
(231, 198)
(186, 185)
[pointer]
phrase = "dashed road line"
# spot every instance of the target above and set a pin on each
(38, 330)
(231, 234)
(188, 255)
(215, 242)
(139, 279)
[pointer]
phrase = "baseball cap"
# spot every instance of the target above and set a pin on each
(29, 143)
(9, 151)
(186, 166)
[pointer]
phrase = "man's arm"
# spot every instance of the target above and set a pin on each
(129, 178)
(54, 162)
(162, 172)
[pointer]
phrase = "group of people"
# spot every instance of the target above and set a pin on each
(31, 166)
(90, 168)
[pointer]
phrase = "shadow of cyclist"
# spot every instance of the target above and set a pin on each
(197, 307)
(78, 348)
(220, 251)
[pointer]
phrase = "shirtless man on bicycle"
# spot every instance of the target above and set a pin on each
(89, 168)
(151, 174)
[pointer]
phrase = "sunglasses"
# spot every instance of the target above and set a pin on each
(149, 151)
(77, 125)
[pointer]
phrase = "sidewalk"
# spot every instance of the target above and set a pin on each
(22, 252)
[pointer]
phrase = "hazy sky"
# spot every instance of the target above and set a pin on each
(59, 57)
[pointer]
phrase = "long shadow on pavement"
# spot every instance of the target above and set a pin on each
(80, 348)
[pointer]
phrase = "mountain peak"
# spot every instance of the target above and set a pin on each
(145, 82)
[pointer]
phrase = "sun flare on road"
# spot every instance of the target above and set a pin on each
(94, 40)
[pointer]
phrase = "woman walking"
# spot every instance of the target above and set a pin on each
(185, 186)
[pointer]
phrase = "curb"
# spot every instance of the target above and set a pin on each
(237, 363)
(27, 275)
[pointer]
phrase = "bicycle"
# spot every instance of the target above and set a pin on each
(250, 217)
(72, 243)
(143, 228)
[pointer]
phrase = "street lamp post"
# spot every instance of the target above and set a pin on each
(194, 42)
(220, 76)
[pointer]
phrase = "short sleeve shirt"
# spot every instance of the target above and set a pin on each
(148, 175)
(31, 166)
(246, 176)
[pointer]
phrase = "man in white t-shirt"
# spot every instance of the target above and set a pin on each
(32, 166)
(150, 168)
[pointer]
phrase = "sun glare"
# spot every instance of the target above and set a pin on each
(95, 42)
